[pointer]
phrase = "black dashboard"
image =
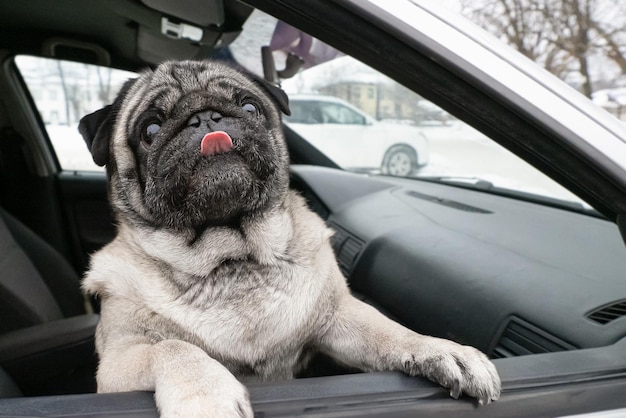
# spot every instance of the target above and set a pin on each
(508, 276)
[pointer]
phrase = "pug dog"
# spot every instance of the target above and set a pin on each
(219, 273)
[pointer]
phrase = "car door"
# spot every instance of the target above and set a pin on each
(63, 92)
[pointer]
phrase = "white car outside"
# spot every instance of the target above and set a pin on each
(354, 140)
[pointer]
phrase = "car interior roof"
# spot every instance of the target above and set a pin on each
(38, 27)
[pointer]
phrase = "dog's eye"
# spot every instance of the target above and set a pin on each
(150, 132)
(249, 107)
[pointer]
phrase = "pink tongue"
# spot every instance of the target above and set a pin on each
(215, 143)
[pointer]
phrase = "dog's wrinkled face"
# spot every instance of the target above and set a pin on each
(190, 145)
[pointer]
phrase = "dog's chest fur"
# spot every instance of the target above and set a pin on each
(255, 307)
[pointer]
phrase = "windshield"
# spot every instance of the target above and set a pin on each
(366, 122)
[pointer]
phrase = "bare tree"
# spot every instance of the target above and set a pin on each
(562, 35)
(66, 92)
(573, 34)
(104, 84)
(610, 26)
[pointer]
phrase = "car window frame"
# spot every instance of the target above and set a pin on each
(451, 85)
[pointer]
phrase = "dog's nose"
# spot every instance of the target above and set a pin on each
(197, 120)
(215, 116)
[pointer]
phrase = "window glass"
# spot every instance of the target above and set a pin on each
(366, 122)
(64, 92)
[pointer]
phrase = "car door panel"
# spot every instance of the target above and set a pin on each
(88, 212)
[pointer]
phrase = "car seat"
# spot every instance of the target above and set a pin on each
(46, 333)
(8, 388)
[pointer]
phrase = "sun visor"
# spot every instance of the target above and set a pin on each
(182, 29)
(200, 12)
(154, 47)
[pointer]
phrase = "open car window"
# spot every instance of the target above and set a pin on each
(65, 91)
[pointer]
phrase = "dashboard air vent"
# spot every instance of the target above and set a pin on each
(347, 248)
(608, 313)
(520, 338)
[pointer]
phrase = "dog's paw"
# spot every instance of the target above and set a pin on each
(461, 369)
(224, 397)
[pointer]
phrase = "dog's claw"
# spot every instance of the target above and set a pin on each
(485, 399)
(455, 390)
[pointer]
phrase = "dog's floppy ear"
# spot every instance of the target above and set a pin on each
(97, 127)
(276, 93)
